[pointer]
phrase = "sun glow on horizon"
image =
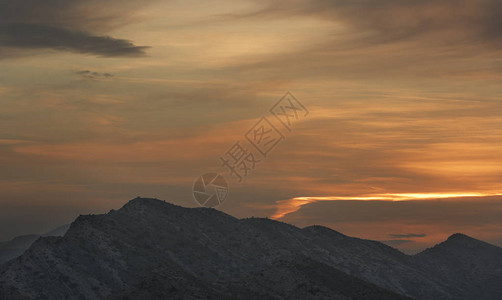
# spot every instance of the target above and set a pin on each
(292, 205)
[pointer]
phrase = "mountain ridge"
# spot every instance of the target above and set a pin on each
(109, 254)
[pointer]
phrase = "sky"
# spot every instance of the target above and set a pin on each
(103, 101)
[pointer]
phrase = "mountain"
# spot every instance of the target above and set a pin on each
(150, 249)
(474, 265)
(300, 278)
(15, 247)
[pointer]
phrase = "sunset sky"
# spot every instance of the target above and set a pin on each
(103, 101)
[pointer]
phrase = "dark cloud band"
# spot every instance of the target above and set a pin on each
(35, 36)
(77, 26)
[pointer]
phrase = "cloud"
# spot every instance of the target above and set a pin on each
(377, 40)
(406, 235)
(89, 15)
(93, 75)
(75, 26)
(390, 20)
(13, 142)
(460, 210)
(34, 36)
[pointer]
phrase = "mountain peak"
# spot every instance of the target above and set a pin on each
(147, 203)
(461, 245)
(462, 240)
(142, 200)
(459, 237)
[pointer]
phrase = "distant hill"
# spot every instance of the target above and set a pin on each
(15, 247)
(150, 249)
(60, 231)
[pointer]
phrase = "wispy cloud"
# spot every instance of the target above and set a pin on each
(392, 20)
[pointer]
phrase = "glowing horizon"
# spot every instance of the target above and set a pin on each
(292, 205)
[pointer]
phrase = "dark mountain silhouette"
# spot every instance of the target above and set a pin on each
(474, 265)
(301, 278)
(150, 249)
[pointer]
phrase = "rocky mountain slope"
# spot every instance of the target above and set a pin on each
(150, 249)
